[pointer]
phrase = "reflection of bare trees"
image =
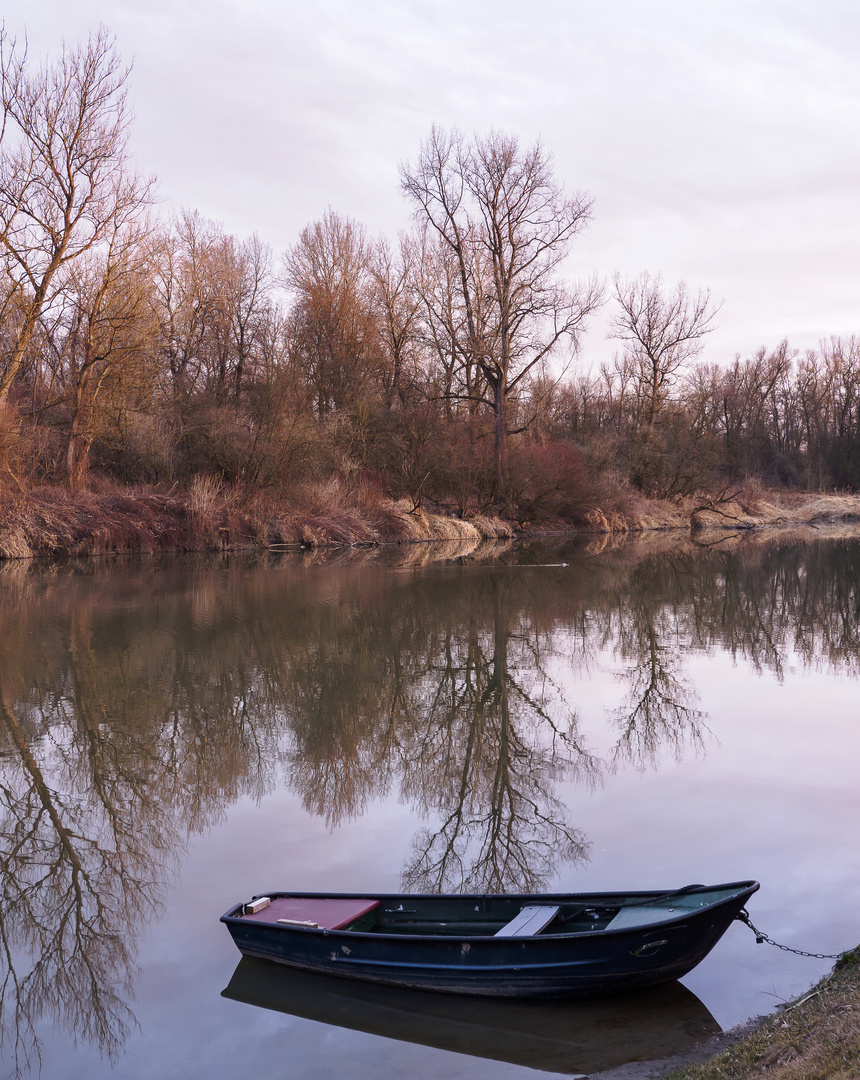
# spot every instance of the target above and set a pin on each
(658, 712)
(105, 766)
(443, 691)
(799, 603)
(81, 865)
(488, 754)
(130, 717)
(339, 706)
(767, 606)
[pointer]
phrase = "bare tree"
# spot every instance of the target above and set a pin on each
(65, 178)
(508, 225)
(751, 417)
(189, 298)
(104, 340)
(250, 309)
(333, 322)
(451, 372)
(398, 303)
(662, 330)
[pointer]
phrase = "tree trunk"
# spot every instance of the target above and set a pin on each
(499, 403)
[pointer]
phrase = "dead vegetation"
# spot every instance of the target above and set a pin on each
(213, 516)
(758, 509)
(749, 508)
(52, 521)
(816, 1037)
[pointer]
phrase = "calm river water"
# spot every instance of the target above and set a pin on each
(177, 734)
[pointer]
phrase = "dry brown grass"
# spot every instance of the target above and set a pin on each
(334, 514)
(815, 1038)
(753, 508)
(52, 521)
(649, 514)
(210, 516)
(491, 528)
(830, 509)
(775, 510)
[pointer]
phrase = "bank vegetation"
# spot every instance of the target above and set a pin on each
(816, 1037)
(164, 384)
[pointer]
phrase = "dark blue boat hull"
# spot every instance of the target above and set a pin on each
(548, 965)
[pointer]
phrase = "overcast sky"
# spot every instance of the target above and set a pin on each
(720, 140)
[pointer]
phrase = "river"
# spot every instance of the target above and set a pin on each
(177, 733)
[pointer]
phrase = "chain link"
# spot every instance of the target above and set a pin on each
(760, 937)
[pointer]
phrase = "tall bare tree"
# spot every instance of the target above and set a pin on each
(65, 176)
(443, 327)
(334, 328)
(397, 303)
(506, 221)
(189, 298)
(250, 311)
(104, 340)
(662, 330)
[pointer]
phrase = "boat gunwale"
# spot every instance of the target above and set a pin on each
(739, 887)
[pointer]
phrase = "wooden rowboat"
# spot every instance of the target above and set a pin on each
(494, 945)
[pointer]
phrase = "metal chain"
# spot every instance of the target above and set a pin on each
(743, 916)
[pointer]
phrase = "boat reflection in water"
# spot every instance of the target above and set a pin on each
(555, 1035)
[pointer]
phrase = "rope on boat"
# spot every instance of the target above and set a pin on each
(743, 916)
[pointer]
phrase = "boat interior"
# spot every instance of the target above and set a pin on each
(473, 916)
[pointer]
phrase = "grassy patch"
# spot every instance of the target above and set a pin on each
(815, 1038)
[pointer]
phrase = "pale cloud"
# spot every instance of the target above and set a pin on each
(719, 140)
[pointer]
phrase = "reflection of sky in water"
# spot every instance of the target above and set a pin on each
(769, 792)
(774, 795)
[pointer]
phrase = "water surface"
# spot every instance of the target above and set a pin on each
(176, 734)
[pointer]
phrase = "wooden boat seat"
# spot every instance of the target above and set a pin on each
(531, 920)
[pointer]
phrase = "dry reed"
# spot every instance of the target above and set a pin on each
(51, 521)
(210, 516)
(815, 1038)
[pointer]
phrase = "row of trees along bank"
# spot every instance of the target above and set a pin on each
(152, 351)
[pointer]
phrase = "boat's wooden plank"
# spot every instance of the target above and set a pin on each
(531, 920)
(327, 913)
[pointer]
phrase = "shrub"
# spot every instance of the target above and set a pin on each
(548, 482)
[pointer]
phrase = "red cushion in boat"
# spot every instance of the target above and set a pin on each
(327, 913)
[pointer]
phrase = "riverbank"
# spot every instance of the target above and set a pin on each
(816, 1037)
(754, 508)
(52, 521)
